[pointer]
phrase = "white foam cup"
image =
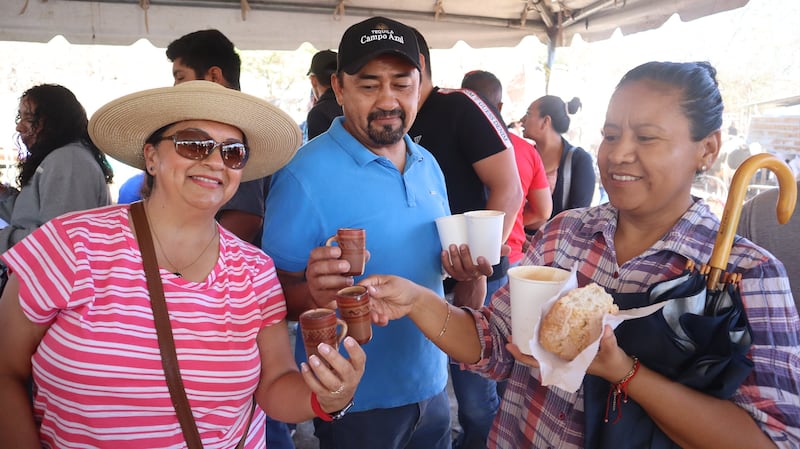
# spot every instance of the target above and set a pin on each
(485, 234)
(530, 287)
(452, 230)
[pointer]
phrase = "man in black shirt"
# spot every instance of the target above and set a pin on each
(325, 108)
(471, 145)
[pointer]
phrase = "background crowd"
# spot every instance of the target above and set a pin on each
(386, 150)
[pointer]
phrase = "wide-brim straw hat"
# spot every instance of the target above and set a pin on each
(121, 127)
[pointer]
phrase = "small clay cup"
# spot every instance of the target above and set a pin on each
(353, 243)
(353, 303)
(319, 326)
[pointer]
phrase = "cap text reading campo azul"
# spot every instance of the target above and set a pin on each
(378, 35)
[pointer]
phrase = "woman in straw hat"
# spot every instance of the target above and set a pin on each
(77, 316)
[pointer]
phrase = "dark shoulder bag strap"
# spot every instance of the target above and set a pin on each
(166, 344)
(567, 174)
(169, 357)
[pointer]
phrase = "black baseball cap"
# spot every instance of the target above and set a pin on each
(373, 37)
(323, 63)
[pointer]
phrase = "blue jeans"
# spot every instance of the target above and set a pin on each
(422, 425)
(278, 436)
(477, 396)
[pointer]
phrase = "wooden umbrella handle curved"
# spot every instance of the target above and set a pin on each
(787, 198)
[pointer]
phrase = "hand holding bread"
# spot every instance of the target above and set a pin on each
(575, 320)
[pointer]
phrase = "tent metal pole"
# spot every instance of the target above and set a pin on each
(551, 57)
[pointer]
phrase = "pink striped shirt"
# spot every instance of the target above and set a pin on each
(98, 373)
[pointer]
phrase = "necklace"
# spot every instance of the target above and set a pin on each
(178, 270)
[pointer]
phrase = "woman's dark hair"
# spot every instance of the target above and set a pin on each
(58, 119)
(149, 179)
(553, 106)
(701, 100)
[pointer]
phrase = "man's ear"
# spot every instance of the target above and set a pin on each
(422, 66)
(215, 74)
(336, 85)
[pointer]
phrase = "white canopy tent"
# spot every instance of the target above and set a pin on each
(284, 25)
(287, 24)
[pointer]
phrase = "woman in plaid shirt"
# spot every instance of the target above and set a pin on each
(662, 127)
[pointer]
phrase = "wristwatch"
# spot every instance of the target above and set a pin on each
(340, 414)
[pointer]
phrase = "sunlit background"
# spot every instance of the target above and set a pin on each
(756, 50)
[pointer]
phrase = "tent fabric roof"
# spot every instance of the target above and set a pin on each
(284, 25)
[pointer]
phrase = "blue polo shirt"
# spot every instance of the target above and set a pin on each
(335, 182)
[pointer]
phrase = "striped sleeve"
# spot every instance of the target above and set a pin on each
(46, 265)
(498, 126)
(481, 133)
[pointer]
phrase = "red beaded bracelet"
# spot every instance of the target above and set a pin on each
(321, 414)
(620, 389)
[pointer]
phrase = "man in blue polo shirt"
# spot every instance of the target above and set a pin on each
(365, 172)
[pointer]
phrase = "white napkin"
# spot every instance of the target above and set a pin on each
(569, 375)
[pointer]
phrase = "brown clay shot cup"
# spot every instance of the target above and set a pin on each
(353, 305)
(319, 326)
(353, 243)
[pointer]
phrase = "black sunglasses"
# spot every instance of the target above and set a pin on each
(196, 145)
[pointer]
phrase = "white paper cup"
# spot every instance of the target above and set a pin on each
(485, 234)
(530, 287)
(452, 230)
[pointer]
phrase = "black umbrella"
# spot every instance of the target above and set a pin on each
(700, 338)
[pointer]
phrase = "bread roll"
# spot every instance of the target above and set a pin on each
(575, 320)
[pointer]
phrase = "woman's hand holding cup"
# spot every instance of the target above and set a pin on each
(518, 355)
(392, 297)
(334, 379)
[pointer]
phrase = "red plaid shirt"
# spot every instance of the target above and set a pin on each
(533, 416)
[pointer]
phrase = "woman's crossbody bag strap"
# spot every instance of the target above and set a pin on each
(567, 175)
(166, 344)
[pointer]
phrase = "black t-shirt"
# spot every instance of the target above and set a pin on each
(250, 197)
(322, 114)
(460, 129)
